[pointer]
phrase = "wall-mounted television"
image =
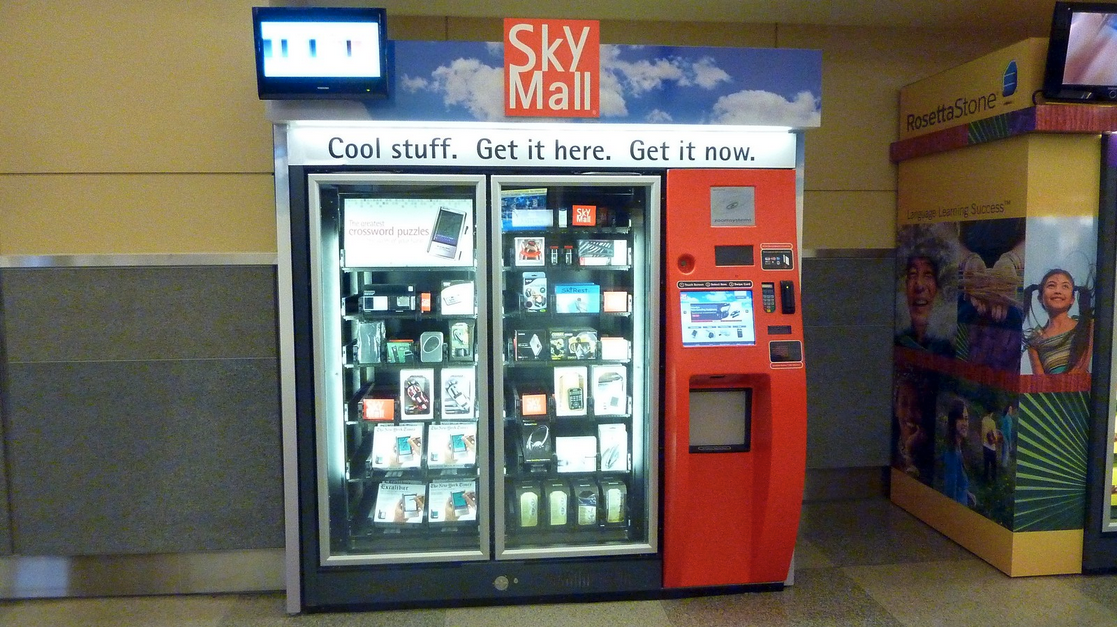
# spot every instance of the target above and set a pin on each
(1082, 53)
(318, 52)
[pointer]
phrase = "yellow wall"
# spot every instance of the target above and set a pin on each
(114, 140)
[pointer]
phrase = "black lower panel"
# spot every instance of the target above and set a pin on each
(475, 583)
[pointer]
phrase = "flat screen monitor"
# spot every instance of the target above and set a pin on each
(1082, 53)
(320, 53)
(717, 318)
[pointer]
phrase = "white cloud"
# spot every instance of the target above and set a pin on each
(655, 116)
(412, 84)
(611, 99)
(474, 85)
(707, 74)
(764, 107)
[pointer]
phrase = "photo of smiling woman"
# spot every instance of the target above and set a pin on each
(1063, 343)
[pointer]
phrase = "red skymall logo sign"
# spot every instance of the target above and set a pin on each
(551, 68)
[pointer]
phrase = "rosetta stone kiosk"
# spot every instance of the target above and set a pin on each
(996, 260)
(477, 257)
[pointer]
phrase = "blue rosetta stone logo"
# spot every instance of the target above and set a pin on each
(1009, 79)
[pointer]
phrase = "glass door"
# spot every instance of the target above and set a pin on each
(575, 327)
(398, 282)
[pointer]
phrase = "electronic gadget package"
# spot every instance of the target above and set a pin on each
(577, 298)
(558, 503)
(613, 440)
(461, 341)
(529, 251)
(416, 387)
(458, 391)
(536, 442)
(400, 503)
(576, 453)
(571, 395)
(456, 299)
(524, 209)
(534, 293)
(527, 504)
(452, 444)
(452, 501)
(368, 342)
(387, 299)
(603, 252)
(610, 390)
(529, 345)
(397, 446)
(573, 344)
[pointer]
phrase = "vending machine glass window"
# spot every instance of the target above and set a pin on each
(576, 287)
(398, 280)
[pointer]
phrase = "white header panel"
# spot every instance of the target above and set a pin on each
(540, 145)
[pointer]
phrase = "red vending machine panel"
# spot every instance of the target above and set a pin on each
(735, 408)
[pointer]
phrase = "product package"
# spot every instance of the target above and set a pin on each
(536, 442)
(602, 252)
(457, 394)
(616, 302)
(528, 251)
(368, 346)
(534, 292)
(401, 351)
(533, 404)
(558, 503)
(397, 446)
(461, 341)
(573, 344)
(576, 453)
(529, 346)
(610, 390)
(613, 441)
(452, 444)
(615, 494)
(527, 505)
(523, 209)
(587, 498)
(400, 503)
(388, 298)
(456, 299)
(571, 395)
(577, 298)
(416, 387)
(452, 501)
(378, 409)
(615, 349)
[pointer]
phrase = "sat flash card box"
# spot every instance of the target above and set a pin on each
(397, 446)
(452, 501)
(452, 444)
(400, 503)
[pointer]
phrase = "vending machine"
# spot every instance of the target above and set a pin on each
(479, 382)
(472, 322)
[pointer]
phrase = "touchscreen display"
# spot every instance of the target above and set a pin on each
(717, 318)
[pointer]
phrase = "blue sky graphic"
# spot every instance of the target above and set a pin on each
(464, 81)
